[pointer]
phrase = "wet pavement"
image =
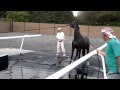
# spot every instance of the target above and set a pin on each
(38, 59)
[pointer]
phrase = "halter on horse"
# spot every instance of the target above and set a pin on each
(80, 43)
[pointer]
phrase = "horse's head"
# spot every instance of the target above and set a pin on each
(74, 25)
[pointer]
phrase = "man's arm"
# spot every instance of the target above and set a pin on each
(57, 36)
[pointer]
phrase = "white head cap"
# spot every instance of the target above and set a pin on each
(59, 28)
(107, 31)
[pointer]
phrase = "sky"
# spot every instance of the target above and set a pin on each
(75, 13)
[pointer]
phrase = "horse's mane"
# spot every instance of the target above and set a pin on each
(77, 26)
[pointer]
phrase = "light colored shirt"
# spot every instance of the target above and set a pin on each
(60, 35)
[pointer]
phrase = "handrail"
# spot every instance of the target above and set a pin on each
(17, 37)
(24, 36)
(68, 68)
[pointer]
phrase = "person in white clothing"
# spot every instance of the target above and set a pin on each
(60, 42)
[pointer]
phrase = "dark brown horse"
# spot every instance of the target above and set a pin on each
(79, 43)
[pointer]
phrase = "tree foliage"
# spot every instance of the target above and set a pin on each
(51, 16)
(20, 16)
(99, 16)
(2, 14)
(41, 16)
(61, 17)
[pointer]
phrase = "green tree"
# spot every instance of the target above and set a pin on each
(51, 16)
(101, 17)
(20, 16)
(41, 16)
(2, 14)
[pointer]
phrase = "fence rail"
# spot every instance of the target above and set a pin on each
(51, 29)
(18, 37)
(68, 68)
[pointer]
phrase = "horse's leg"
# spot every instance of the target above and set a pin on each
(83, 64)
(76, 54)
(86, 64)
(87, 50)
(72, 54)
(79, 53)
(82, 76)
(87, 53)
(83, 52)
(76, 76)
(85, 76)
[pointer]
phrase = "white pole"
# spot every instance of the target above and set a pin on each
(104, 68)
(21, 45)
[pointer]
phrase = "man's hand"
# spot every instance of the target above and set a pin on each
(60, 40)
(101, 52)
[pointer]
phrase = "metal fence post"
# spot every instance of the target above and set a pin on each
(24, 26)
(39, 27)
(11, 22)
(70, 31)
(88, 30)
(10, 25)
(54, 28)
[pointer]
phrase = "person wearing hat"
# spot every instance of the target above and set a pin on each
(60, 42)
(112, 53)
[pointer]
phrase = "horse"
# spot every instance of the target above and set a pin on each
(80, 43)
